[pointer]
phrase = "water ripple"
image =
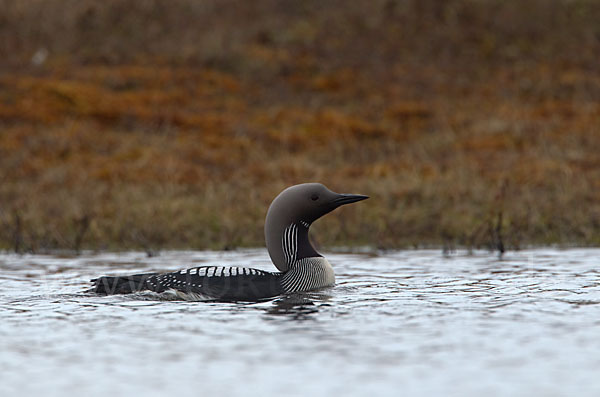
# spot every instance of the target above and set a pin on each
(415, 321)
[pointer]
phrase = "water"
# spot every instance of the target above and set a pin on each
(398, 323)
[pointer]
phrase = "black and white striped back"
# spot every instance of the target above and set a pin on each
(199, 283)
(218, 282)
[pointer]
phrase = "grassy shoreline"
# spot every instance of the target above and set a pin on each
(462, 135)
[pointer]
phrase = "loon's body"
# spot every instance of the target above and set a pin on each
(224, 282)
(301, 267)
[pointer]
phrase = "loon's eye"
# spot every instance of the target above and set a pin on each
(314, 197)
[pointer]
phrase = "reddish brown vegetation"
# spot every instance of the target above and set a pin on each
(175, 126)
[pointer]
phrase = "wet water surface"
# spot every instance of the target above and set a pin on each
(406, 322)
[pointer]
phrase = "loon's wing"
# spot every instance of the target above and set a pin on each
(199, 283)
(219, 282)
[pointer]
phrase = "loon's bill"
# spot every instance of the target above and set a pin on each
(301, 267)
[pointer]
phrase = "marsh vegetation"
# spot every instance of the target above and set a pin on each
(149, 125)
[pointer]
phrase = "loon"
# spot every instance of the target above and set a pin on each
(300, 267)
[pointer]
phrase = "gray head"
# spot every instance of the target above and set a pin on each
(291, 214)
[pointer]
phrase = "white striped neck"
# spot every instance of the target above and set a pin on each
(296, 245)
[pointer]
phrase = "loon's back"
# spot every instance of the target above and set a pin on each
(199, 283)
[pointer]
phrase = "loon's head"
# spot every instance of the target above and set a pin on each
(298, 207)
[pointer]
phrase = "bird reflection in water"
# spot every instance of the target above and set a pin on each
(298, 306)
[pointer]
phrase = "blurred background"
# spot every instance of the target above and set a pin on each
(154, 124)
